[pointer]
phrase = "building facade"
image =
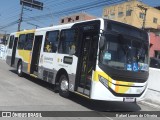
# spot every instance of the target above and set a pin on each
(76, 17)
(154, 45)
(129, 12)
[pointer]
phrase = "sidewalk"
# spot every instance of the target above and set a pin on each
(152, 97)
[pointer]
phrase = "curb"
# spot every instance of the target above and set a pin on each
(154, 105)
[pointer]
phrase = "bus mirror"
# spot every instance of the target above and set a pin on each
(102, 42)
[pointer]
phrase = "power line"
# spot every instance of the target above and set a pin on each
(81, 7)
(33, 24)
(10, 24)
(76, 9)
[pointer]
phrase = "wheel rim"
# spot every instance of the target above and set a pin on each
(19, 69)
(64, 85)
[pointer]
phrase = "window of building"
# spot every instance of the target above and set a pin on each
(69, 19)
(155, 20)
(128, 10)
(157, 54)
(22, 41)
(141, 15)
(68, 41)
(112, 10)
(51, 41)
(112, 16)
(62, 21)
(77, 17)
(112, 13)
(11, 41)
(106, 12)
(120, 12)
(29, 41)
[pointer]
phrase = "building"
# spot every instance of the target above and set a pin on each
(76, 17)
(129, 12)
(154, 43)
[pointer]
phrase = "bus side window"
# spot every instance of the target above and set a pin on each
(67, 42)
(51, 41)
(21, 42)
(29, 41)
(11, 42)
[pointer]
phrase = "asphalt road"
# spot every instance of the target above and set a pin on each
(30, 94)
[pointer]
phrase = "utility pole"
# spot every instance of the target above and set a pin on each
(29, 3)
(145, 12)
(20, 19)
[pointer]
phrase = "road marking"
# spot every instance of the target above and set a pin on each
(109, 118)
(150, 104)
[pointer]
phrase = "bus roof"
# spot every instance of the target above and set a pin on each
(64, 26)
(25, 31)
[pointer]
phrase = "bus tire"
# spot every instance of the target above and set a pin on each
(19, 69)
(64, 86)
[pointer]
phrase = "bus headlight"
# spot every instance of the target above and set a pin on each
(103, 81)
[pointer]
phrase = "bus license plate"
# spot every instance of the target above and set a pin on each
(129, 99)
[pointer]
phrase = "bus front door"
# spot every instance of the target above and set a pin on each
(86, 62)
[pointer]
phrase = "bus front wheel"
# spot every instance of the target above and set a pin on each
(64, 86)
(19, 69)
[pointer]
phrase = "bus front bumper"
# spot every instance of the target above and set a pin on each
(112, 92)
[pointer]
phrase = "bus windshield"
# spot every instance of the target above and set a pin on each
(124, 53)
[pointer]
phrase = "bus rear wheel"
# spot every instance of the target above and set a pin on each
(64, 86)
(19, 69)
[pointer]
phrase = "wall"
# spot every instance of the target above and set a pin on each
(155, 41)
(153, 93)
(81, 17)
(154, 79)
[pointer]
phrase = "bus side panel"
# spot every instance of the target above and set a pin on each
(46, 74)
(72, 75)
(46, 68)
(25, 56)
(16, 62)
(69, 64)
(8, 58)
(50, 65)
